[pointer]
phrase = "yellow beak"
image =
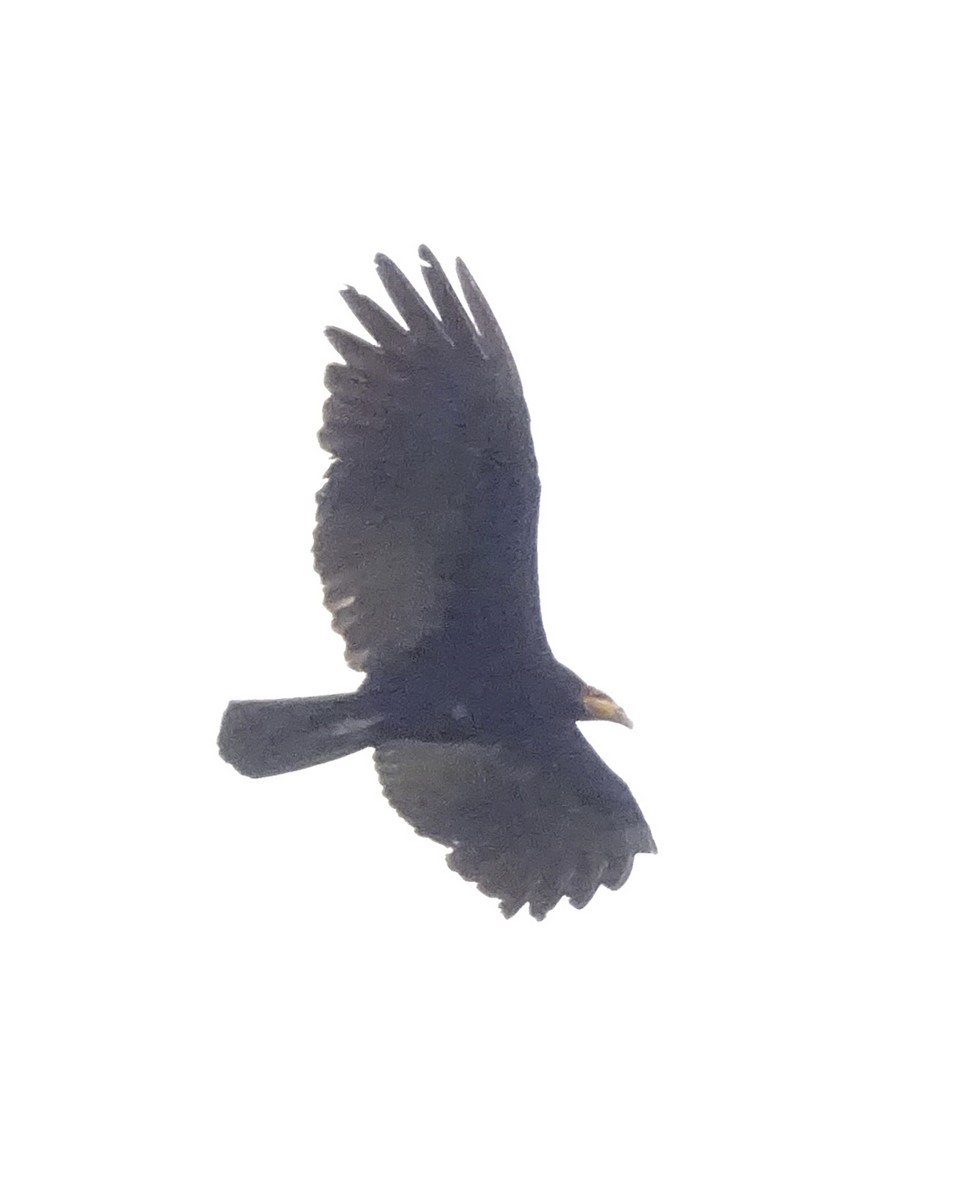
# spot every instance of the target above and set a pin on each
(602, 708)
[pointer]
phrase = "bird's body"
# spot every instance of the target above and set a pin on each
(426, 544)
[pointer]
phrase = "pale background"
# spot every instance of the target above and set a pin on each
(733, 248)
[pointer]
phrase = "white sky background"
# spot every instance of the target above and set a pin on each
(733, 249)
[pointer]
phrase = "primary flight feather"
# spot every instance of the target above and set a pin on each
(426, 545)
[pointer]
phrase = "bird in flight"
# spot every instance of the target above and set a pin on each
(425, 542)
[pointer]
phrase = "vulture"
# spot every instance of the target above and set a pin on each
(426, 544)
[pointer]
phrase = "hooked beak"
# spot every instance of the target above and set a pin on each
(600, 707)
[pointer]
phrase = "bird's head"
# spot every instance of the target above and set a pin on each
(599, 706)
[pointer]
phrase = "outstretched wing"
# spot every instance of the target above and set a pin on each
(428, 515)
(528, 822)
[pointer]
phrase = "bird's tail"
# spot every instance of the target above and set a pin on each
(271, 737)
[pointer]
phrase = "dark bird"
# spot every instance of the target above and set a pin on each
(426, 545)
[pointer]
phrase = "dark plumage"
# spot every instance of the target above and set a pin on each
(426, 545)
